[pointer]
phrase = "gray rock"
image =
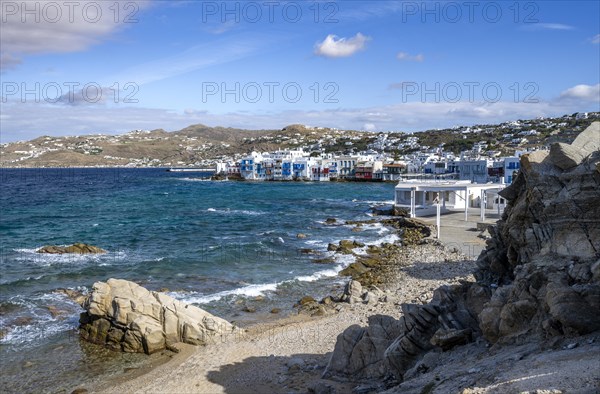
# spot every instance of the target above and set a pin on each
(359, 351)
(568, 156)
(353, 292)
(538, 276)
(543, 253)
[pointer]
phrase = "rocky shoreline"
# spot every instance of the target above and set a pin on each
(420, 322)
(419, 269)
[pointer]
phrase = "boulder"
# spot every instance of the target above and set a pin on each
(346, 246)
(568, 156)
(353, 292)
(354, 270)
(306, 300)
(77, 248)
(359, 351)
(324, 260)
(541, 255)
(125, 316)
(395, 346)
(404, 223)
(74, 295)
(447, 315)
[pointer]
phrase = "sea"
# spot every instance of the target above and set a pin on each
(225, 246)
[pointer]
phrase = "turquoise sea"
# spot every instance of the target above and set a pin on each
(216, 244)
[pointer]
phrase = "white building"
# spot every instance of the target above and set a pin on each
(250, 166)
(320, 171)
(421, 197)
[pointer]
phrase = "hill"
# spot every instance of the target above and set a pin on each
(201, 145)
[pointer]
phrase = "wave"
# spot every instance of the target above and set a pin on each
(372, 202)
(187, 179)
(317, 243)
(39, 330)
(342, 262)
(318, 275)
(390, 239)
(28, 255)
(227, 211)
(255, 290)
(21, 280)
(379, 228)
(42, 323)
(246, 291)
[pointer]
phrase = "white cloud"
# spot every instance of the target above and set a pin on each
(59, 27)
(548, 26)
(403, 56)
(582, 92)
(368, 127)
(595, 39)
(334, 46)
(18, 124)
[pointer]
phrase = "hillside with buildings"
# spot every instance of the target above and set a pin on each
(480, 153)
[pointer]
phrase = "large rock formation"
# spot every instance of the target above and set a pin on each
(539, 276)
(359, 350)
(77, 248)
(547, 246)
(125, 316)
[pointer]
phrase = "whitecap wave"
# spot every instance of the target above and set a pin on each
(21, 335)
(43, 324)
(379, 228)
(317, 243)
(195, 179)
(228, 211)
(246, 291)
(341, 262)
(390, 239)
(328, 273)
(30, 256)
(378, 203)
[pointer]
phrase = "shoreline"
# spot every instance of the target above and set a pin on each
(284, 353)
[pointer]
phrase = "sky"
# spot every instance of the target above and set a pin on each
(86, 67)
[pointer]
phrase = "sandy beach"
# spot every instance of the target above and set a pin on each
(290, 354)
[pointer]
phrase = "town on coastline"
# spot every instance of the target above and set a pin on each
(479, 153)
(483, 162)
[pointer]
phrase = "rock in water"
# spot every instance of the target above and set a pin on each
(125, 316)
(77, 248)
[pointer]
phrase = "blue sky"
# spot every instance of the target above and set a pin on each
(363, 65)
